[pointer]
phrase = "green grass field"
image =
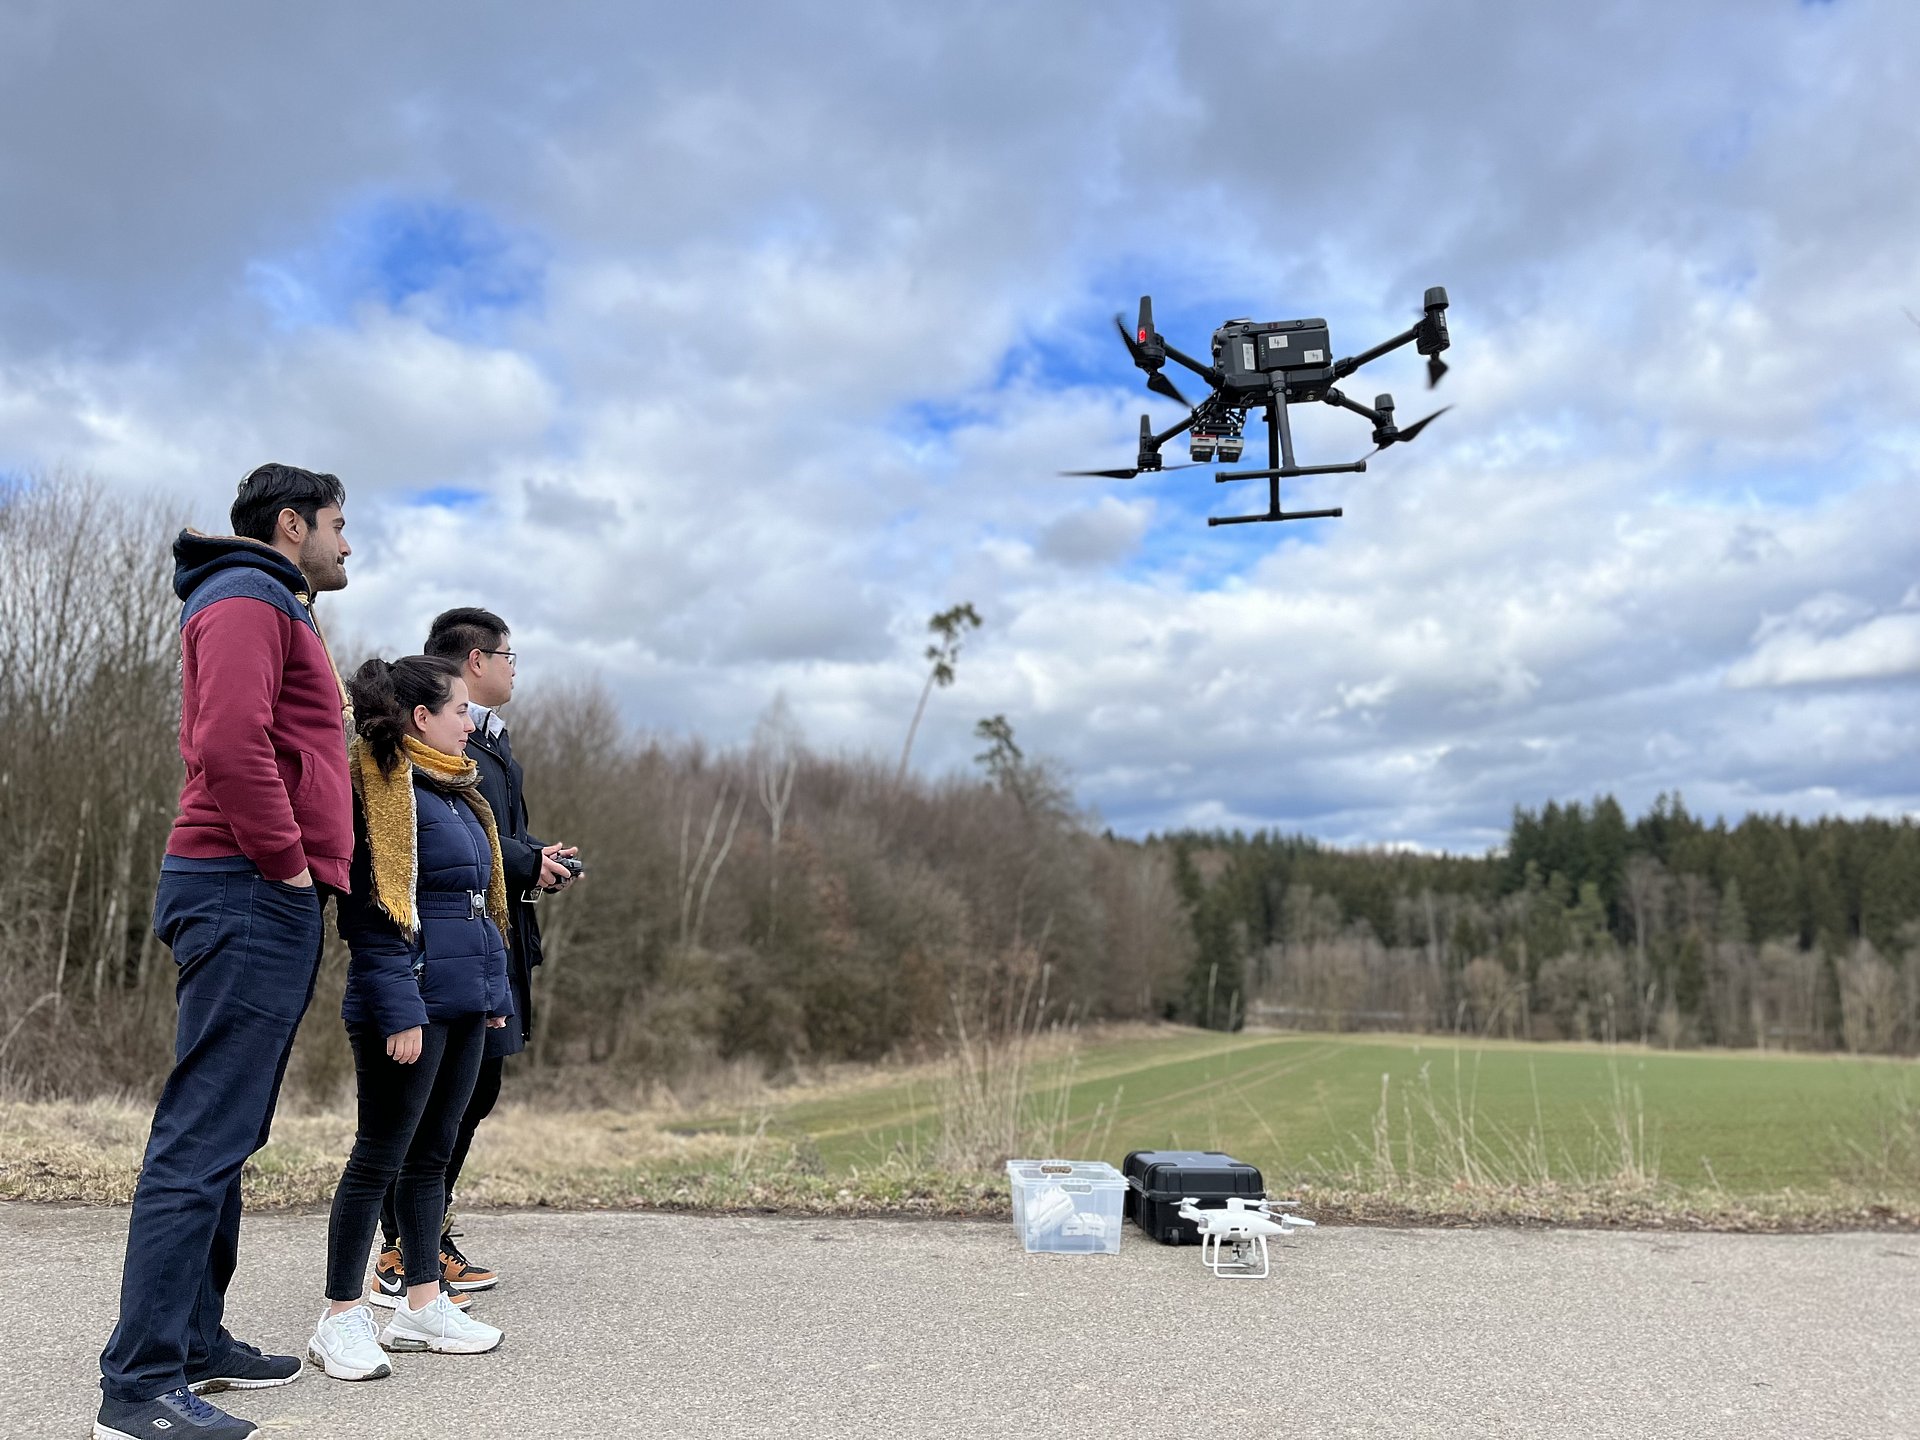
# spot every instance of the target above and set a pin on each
(1302, 1106)
(1474, 1132)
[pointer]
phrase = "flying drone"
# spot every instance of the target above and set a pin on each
(1243, 1227)
(1270, 364)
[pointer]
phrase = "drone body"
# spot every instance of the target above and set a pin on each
(1243, 1227)
(1270, 365)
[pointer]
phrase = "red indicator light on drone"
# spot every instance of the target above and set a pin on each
(1142, 337)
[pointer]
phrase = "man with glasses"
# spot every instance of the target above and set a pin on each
(479, 643)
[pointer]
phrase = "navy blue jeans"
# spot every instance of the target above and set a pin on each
(248, 949)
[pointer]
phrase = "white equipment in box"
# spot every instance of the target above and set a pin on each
(1067, 1207)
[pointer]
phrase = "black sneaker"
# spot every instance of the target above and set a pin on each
(245, 1368)
(177, 1415)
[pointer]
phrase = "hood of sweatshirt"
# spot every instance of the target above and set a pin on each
(198, 558)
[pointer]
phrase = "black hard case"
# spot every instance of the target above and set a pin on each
(1158, 1180)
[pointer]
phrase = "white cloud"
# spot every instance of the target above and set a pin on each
(821, 308)
(1830, 639)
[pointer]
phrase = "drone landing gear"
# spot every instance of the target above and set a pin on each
(1280, 466)
(1237, 1263)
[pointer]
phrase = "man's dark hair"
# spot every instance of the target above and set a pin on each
(273, 488)
(458, 633)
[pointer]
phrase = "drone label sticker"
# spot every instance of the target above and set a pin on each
(1246, 355)
(1276, 342)
(1315, 357)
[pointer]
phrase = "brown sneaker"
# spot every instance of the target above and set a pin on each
(389, 1277)
(461, 1273)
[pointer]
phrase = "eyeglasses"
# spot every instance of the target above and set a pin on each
(512, 657)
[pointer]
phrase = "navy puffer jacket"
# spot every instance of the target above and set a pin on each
(457, 966)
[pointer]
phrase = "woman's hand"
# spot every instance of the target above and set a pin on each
(403, 1048)
(496, 1022)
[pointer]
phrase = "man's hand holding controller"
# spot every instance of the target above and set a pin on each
(559, 867)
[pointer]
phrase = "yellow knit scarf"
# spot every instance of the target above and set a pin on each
(393, 837)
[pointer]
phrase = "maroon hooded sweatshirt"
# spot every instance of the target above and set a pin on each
(262, 716)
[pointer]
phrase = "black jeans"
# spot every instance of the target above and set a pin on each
(248, 949)
(409, 1116)
(486, 1091)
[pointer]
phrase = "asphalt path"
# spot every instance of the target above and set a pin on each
(639, 1325)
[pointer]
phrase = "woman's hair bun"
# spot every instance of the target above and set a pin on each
(385, 692)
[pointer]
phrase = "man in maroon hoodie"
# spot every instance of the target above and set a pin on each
(265, 830)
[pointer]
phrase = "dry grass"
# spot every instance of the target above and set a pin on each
(89, 1154)
(1428, 1133)
(1431, 1157)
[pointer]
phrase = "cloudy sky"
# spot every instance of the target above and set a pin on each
(717, 347)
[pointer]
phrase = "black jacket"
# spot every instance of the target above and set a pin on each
(504, 785)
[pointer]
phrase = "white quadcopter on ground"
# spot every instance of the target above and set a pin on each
(1244, 1226)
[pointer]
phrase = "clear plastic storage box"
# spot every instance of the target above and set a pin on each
(1067, 1207)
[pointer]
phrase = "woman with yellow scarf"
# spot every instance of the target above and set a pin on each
(425, 924)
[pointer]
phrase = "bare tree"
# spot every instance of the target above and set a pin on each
(1869, 1000)
(699, 875)
(776, 749)
(948, 626)
(1648, 892)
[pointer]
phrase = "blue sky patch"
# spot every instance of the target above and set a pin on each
(446, 497)
(456, 265)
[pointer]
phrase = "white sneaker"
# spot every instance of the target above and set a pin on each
(378, 1294)
(346, 1346)
(439, 1327)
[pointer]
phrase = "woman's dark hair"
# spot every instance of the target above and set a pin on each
(273, 488)
(384, 695)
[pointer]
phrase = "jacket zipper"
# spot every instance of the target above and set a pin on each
(479, 869)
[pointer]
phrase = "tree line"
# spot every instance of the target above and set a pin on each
(767, 903)
(775, 905)
(1668, 928)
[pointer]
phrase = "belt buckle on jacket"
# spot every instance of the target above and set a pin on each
(476, 904)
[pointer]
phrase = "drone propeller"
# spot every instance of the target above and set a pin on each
(1148, 352)
(1401, 437)
(1137, 470)
(1148, 450)
(1161, 385)
(1417, 426)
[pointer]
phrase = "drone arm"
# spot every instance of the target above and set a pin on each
(1343, 368)
(1334, 397)
(1205, 372)
(1156, 441)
